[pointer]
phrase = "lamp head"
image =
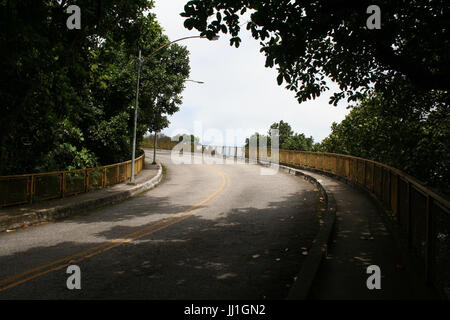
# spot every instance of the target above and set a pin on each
(215, 38)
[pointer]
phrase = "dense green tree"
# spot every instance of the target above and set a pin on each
(45, 84)
(309, 40)
(284, 132)
(67, 96)
(299, 142)
(410, 133)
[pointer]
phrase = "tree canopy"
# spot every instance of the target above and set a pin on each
(312, 40)
(67, 96)
(409, 132)
(284, 132)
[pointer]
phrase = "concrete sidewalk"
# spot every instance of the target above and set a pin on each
(361, 239)
(52, 210)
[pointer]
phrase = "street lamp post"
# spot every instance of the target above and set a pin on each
(133, 153)
(155, 138)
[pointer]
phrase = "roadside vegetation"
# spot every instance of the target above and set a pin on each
(67, 97)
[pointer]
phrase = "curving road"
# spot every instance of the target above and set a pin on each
(206, 232)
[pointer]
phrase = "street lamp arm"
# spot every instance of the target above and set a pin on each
(181, 39)
(169, 43)
(199, 82)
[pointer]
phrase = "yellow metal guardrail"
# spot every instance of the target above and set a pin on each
(28, 188)
(420, 214)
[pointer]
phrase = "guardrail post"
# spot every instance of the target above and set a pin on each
(335, 167)
(63, 184)
(408, 213)
(389, 193)
(341, 164)
(33, 182)
(428, 241)
(357, 176)
(31, 186)
(104, 178)
(347, 168)
(372, 186)
(86, 180)
(364, 173)
(395, 196)
(350, 169)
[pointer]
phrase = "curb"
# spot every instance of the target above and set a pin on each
(305, 278)
(64, 211)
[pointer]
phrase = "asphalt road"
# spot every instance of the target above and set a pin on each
(206, 232)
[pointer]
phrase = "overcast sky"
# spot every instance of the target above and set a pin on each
(239, 95)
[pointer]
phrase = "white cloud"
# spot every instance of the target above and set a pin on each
(239, 92)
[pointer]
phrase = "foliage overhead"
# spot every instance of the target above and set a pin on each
(312, 40)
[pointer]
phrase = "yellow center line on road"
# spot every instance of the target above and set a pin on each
(108, 245)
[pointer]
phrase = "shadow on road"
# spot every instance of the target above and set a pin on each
(245, 253)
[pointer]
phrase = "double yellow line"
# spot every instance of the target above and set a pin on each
(59, 264)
